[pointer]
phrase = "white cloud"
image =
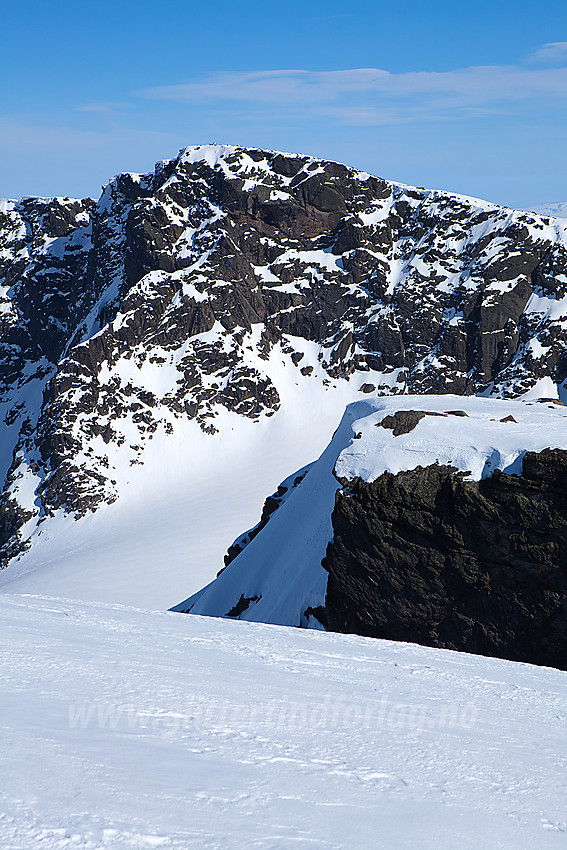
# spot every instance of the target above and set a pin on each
(287, 86)
(554, 53)
(374, 96)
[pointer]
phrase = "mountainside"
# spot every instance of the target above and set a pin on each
(163, 348)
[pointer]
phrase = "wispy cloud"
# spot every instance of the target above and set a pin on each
(372, 95)
(554, 53)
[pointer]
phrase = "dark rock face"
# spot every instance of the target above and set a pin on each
(481, 567)
(224, 257)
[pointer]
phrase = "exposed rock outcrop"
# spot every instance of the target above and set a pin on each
(430, 557)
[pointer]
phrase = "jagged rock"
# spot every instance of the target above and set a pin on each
(427, 556)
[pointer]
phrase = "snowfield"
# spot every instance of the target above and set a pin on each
(130, 729)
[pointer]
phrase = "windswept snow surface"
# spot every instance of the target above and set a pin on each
(280, 570)
(126, 729)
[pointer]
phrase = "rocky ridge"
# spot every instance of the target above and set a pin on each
(170, 298)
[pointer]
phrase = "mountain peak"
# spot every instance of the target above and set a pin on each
(221, 296)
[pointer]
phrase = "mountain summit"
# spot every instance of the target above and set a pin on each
(173, 351)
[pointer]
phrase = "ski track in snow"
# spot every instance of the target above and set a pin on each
(124, 728)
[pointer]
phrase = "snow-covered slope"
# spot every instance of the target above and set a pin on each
(162, 349)
(279, 573)
(127, 730)
(179, 511)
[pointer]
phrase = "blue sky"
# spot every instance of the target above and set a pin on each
(469, 97)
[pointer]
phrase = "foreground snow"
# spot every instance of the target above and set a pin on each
(129, 729)
(280, 571)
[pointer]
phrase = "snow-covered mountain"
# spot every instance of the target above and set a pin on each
(131, 730)
(175, 350)
(385, 361)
